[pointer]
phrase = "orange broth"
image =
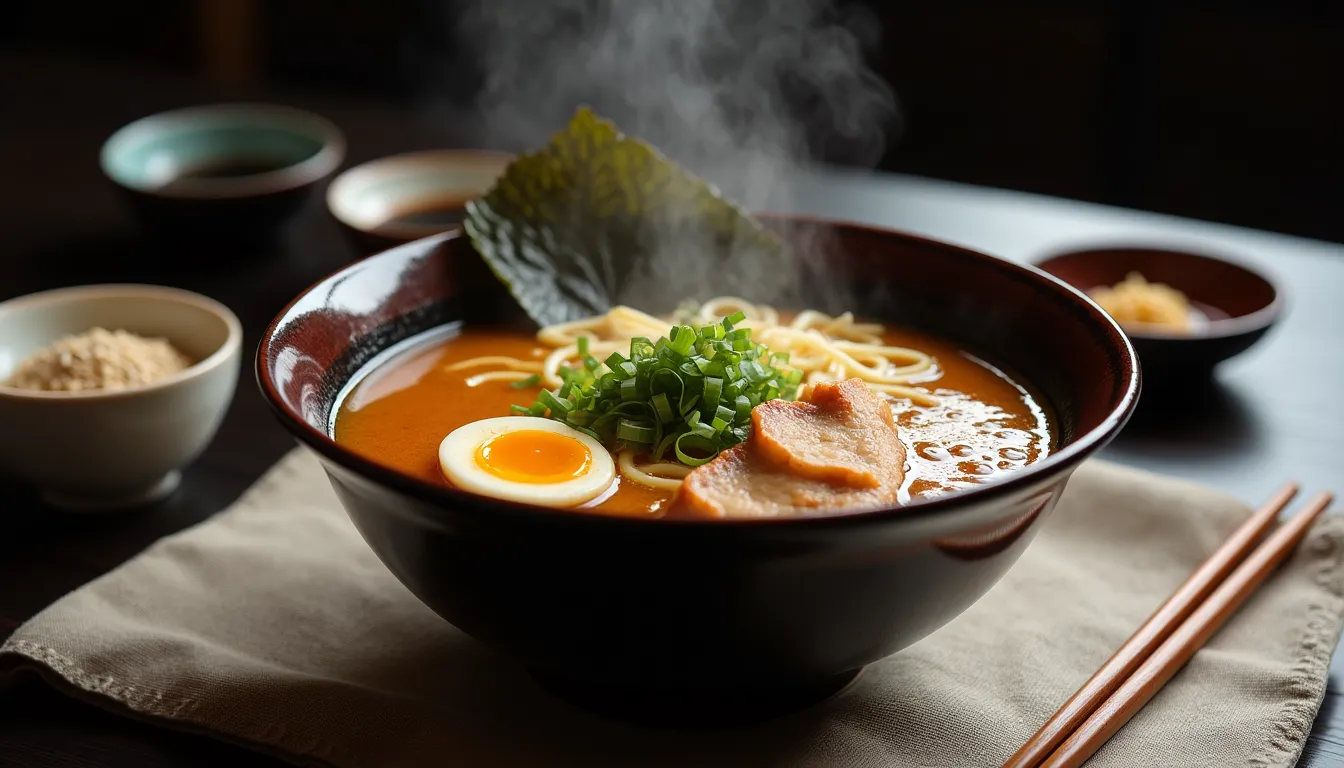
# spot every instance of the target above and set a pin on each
(986, 424)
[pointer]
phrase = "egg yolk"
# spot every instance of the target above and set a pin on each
(534, 456)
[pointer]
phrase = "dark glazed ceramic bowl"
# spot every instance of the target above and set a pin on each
(236, 172)
(1240, 305)
(699, 619)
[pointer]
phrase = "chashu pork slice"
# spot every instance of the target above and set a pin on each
(844, 434)
(837, 450)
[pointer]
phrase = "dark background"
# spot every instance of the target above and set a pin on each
(1228, 110)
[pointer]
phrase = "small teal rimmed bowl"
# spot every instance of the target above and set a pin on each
(235, 171)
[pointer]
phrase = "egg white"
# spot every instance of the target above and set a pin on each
(457, 459)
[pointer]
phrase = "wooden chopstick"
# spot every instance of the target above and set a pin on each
(1188, 638)
(1149, 636)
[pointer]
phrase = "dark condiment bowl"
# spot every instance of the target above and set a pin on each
(700, 621)
(1239, 304)
(397, 199)
(231, 172)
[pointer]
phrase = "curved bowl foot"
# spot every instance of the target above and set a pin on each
(159, 490)
(707, 708)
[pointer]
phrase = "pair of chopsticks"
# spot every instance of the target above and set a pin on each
(1170, 637)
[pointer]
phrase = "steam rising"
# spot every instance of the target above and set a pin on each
(741, 92)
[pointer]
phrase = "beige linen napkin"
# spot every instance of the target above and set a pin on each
(273, 625)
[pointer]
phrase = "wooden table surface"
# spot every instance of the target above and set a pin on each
(1277, 412)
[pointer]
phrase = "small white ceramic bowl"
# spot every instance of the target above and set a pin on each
(397, 199)
(105, 449)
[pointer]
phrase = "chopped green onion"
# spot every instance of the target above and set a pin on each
(596, 436)
(663, 408)
(641, 348)
(634, 432)
(695, 443)
(683, 339)
(530, 381)
(752, 371)
(668, 381)
(558, 408)
(690, 392)
(743, 408)
(689, 405)
(726, 415)
(709, 398)
(630, 389)
(710, 367)
(664, 444)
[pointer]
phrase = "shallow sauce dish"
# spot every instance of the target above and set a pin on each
(1236, 305)
(233, 171)
(397, 199)
(693, 619)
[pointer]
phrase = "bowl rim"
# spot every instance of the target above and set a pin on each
(229, 349)
(307, 171)
(351, 179)
(1082, 447)
(1222, 328)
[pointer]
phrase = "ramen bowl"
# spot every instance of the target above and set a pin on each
(401, 198)
(1235, 306)
(236, 172)
(705, 620)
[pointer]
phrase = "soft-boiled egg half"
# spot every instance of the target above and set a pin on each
(527, 459)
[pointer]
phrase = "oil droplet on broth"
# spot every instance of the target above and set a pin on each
(975, 468)
(931, 451)
(1014, 436)
(957, 443)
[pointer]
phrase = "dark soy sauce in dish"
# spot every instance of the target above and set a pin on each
(428, 216)
(231, 168)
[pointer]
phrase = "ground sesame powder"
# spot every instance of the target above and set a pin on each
(98, 359)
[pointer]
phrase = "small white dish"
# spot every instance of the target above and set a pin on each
(107, 449)
(397, 199)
